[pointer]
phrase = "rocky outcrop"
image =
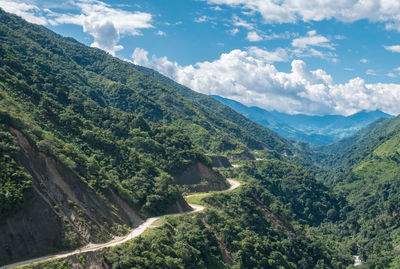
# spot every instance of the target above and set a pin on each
(220, 161)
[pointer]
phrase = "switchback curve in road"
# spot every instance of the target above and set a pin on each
(120, 239)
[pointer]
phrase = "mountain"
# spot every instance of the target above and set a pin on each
(269, 138)
(83, 156)
(365, 169)
(319, 130)
(91, 147)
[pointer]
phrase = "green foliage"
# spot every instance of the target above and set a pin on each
(15, 184)
(233, 223)
(310, 200)
(182, 243)
(78, 105)
(366, 173)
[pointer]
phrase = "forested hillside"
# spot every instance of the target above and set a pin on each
(364, 169)
(91, 146)
(112, 82)
(93, 168)
(265, 135)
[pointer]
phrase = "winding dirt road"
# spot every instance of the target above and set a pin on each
(121, 239)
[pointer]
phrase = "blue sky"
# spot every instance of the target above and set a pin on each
(303, 56)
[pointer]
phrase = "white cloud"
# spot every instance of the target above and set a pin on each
(239, 22)
(173, 23)
(161, 33)
(312, 39)
(253, 36)
(291, 11)
(203, 18)
(29, 12)
(216, 8)
(394, 74)
(249, 77)
(394, 48)
(103, 22)
(306, 46)
(279, 55)
(234, 31)
(284, 35)
(363, 61)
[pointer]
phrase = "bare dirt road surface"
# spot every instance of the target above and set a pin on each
(117, 240)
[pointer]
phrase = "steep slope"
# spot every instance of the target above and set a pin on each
(115, 83)
(367, 174)
(269, 138)
(346, 142)
(320, 130)
(350, 149)
(250, 227)
(77, 165)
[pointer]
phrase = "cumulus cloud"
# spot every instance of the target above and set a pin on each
(291, 11)
(249, 76)
(363, 61)
(253, 36)
(105, 23)
(29, 12)
(394, 48)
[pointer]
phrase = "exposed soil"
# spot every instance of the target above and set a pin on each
(62, 212)
(243, 156)
(220, 161)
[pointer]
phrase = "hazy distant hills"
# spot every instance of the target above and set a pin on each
(320, 130)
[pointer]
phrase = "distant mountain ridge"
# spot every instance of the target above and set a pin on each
(319, 130)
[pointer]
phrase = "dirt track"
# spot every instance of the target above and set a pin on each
(118, 240)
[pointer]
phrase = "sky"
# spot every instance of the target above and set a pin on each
(314, 57)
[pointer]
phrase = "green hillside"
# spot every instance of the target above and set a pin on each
(91, 146)
(260, 133)
(70, 148)
(367, 172)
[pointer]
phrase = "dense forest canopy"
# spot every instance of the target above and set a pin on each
(126, 131)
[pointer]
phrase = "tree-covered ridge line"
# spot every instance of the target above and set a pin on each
(61, 109)
(112, 82)
(128, 133)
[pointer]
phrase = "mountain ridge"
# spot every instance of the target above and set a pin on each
(320, 130)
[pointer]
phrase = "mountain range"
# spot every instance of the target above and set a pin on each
(319, 130)
(92, 147)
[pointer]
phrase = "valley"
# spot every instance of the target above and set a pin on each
(108, 164)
